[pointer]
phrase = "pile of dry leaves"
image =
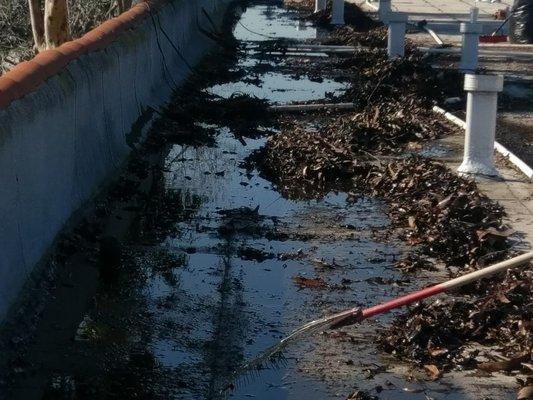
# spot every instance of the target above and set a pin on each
(443, 215)
(388, 127)
(304, 163)
(350, 36)
(353, 15)
(307, 162)
(376, 77)
(300, 5)
(445, 218)
(495, 313)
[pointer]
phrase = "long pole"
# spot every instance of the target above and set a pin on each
(355, 315)
(446, 286)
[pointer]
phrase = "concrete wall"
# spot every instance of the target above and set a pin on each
(66, 120)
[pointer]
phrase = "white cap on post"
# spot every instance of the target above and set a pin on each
(470, 45)
(483, 83)
(481, 110)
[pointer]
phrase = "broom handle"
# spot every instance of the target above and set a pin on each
(451, 284)
(503, 23)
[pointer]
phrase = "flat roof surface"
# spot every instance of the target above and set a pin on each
(446, 9)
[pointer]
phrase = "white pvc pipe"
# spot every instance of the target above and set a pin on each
(470, 42)
(396, 35)
(481, 108)
(337, 12)
(450, 117)
(513, 158)
(523, 55)
(384, 9)
(320, 5)
(372, 6)
(323, 47)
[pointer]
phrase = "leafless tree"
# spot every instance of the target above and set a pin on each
(50, 21)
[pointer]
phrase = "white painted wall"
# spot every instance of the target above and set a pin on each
(60, 143)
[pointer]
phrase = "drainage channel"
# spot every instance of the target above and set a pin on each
(259, 265)
(234, 268)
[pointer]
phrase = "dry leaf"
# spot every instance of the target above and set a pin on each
(507, 365)
(313, 283)
(437, 352)
(432, 371)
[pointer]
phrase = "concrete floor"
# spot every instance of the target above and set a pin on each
(514, 193)
(444, 16)
(443, 9)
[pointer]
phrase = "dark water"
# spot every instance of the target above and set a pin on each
(233, 306)
(264, 22)
(237, 306)
(242, 306)
(215, 285)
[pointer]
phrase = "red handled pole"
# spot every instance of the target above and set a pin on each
(446, 286)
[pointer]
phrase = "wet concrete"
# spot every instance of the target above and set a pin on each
(209, 281)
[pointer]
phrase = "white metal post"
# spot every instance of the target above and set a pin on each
(470, 41)
(320, 5)
(384, 9)
(481, 109)
(396, 36)
(337, 12)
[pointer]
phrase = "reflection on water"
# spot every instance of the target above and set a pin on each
(235, 296)
(270, 22)
(244, 304)
(264, 22)
(280, 88)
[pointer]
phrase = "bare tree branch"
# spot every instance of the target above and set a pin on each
(37, 24)
(56, 27)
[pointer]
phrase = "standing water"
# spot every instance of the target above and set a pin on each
(252, 256)
(232, 267)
